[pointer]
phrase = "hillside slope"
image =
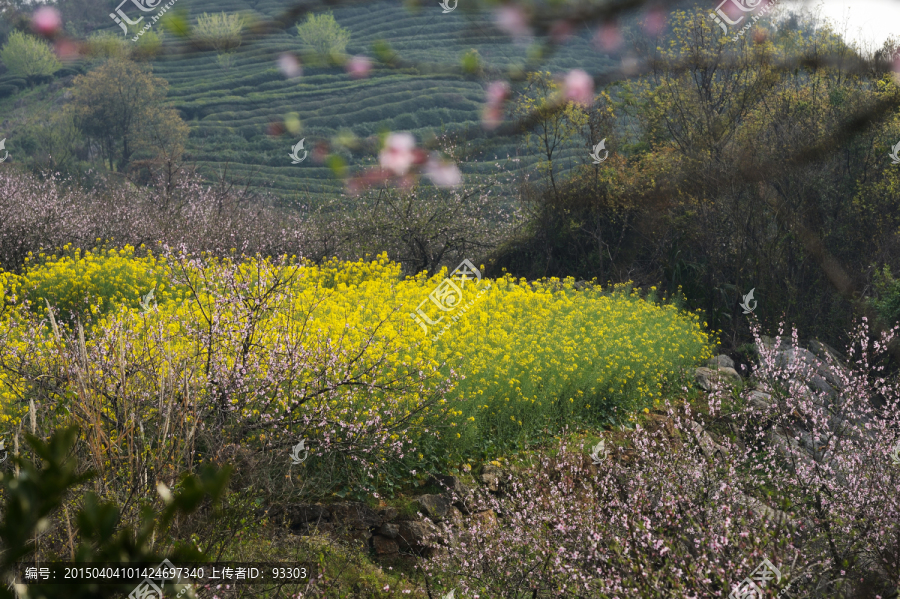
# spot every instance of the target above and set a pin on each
(229, 109)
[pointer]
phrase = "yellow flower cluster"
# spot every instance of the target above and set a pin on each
(92, 282)
(520, 354)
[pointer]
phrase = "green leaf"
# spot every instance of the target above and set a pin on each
(177, 23)
(337, 165)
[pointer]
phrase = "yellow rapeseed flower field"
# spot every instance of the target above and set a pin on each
(521, 356)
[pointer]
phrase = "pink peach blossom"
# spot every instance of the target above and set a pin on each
(442, 172)
(655, 21)
(579, 87)
(46, 21)
(497, 94)
(608, 37)
(359, 67)
(398, 153)
(513, 20)
(290, 65)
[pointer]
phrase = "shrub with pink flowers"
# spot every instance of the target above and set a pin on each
(806, 482)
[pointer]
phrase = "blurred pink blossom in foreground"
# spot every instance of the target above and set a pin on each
(398, 153)
(359, 67)
(66, 50)
(497, 94)
(442, 173)
(46, 20)
(608, 37)
(513, 20)
(579, 87)
(290, 65)
(655, 21)
(561, 31)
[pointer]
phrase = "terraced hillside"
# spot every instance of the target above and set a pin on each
(230, 109)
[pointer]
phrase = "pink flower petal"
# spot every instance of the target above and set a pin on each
(397, 155)
(359, 67)
(579, 87)
(513, 20)
(608, 37)
(443, 173)
(655, 21)
(497, 94)
(290, 65)
(46, 20)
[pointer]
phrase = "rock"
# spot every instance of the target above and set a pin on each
(309, 528)
(359, 537)
(817, 383)
(416, 535)
(486, 520)
(458, 492)
(760, 508)
(707, 378)
(299, 514)
(354, 515)
(823, 351)
(385, 546)
(710, 448)
(760, 400)
(490, 477)
(388, 514)
(434, 506)
(720, 361)
(455, 516)
(389, 530)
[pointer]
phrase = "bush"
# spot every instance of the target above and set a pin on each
(66, 72)
(8, 90)
(665, 516)
(221, 31)
(26, 56)
(887, 299)
(40, 79)
(322, 35)
(35, 495)
(16, 81)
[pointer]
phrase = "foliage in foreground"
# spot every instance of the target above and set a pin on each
(32, 495)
